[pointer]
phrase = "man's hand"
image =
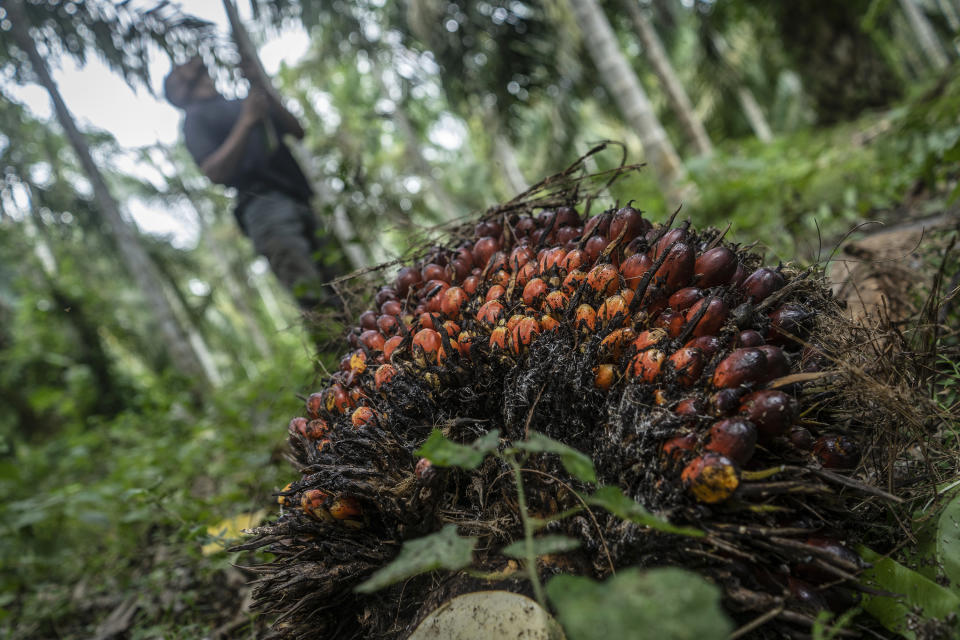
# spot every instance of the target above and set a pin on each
(255, 106)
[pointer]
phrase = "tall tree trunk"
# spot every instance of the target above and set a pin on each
(624, 87)
(748, 102)
(676, 94)
(929, 43)
(132, 253)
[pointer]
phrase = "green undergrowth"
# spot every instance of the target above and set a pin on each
(102, 514)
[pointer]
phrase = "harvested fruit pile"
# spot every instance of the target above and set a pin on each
(691, 374)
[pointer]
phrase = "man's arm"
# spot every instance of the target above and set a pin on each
(220, 165)
(286, 121)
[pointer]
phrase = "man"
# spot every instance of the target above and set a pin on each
(238, 143)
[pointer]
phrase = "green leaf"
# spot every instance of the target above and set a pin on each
(576, 463)
(948, 540)
(613, 500)
(441, 550)
(916, 593)
(542, 546)
(447, 453)
(667, 604)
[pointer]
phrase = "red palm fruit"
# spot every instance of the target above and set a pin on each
(594, 247)
(433, 271)
(385, 294)
(424, 470)
(725, 402)
(604, 279)
(521, 255)
(600, 222)
(634, 267)
(809, 597)
(742, 366)
(470, 284)
(451, 328)
(585, 318)
(801, 438)
(628, 221)
(548, 323)
(490, 228)
(453, 300)
(315, 404)
(298, 425)
(604, 376)
(555, 302)
(443, 353)
(312, 502)
(284, 500)
(677, 269)
(738, 276)
(527, 272)
(465, 341)
(391, 308)
(372, 339)
(387, 325)
(647, 364)
(572, 282)
(500, 277)
(426, 344)
(465, 255)
(345, 362)
(773, 412)
(490, 312)
(534, 292)
(573, 260)
(524, 333)
(677, 235)
(688, 363)
(458, 270)
(618, 340)
(713, 319)
(648, 338)
(498, 261)
(407, 278)
(628, 295)
(535, 237)
(547, 219)
(363, 417)
(500, 339)
(384, 374)
(684, 298)
(427, 321)
(514, 320)
(552, 258)
(679, 446)
(711, 478)
(368, 319)
(777, 363)
(708, 344)
(496, 292)
(567, 234)
(356, 394)
(483, 250)
(749, 338)
(762, 282)
(336, 398)
(715, 266)
(787, 324)
(836, 452)
(345, 508)
(358, 362)
(692, 406)
(567, 217)
(613, 307)
(734, 438)
(670, 322)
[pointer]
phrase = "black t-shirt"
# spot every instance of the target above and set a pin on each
(207, 125)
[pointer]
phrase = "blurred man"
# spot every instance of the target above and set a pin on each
(239, 143)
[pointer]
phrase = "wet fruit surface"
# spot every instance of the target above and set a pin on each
(652, 349)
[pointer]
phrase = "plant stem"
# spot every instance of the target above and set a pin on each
(530, 558)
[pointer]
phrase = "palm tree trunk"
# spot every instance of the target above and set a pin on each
(624, 87)
(676, 94)
(921, 27)
(132, 253)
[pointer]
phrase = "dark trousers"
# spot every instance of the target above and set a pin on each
(283, 230)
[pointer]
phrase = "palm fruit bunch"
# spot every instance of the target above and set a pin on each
(685, 368)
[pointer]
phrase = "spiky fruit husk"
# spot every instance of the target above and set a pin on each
(650, 357)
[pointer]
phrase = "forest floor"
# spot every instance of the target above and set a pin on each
(117, 529)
